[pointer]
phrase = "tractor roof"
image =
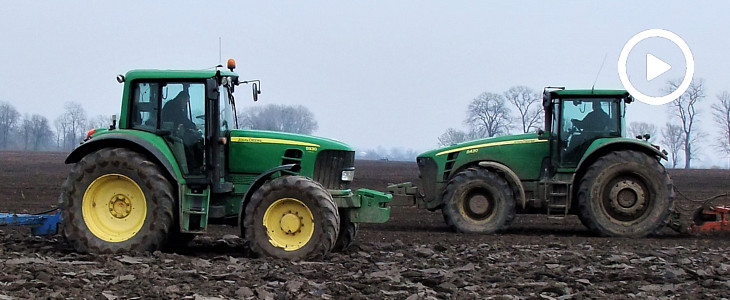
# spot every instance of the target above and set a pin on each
(175, 74)
(590, 93)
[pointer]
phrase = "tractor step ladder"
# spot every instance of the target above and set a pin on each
(194, 210)
(558, 199)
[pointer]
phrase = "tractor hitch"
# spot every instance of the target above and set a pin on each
(406, 194)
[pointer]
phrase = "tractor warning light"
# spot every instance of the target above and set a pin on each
(231, 64)
(88, 134)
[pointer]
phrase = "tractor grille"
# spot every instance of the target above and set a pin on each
(427, 170)
(329, 166)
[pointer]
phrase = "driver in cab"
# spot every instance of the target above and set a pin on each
(176, 111)
(596, 120)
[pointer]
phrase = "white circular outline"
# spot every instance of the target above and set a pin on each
(671, 36)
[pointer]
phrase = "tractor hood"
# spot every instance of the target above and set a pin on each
(482, 143)
(284, 138)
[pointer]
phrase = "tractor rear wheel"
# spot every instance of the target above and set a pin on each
(291, 217)
(625, 194)
(348, 231)
(116, 200)
(478, 201)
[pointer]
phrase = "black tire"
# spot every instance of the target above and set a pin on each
(625, 194)
(348, 232)
(301, 194)
(478, 201)
(107, 178)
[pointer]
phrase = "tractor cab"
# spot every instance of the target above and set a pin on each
(576, 118)
(192, 111)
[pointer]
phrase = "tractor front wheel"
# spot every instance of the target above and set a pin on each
(115, 200)
(478, 201)
(348, 231)
(625, 194)
(291, 217)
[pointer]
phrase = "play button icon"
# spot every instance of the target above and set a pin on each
(655, 67)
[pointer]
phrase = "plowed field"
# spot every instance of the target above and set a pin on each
(413, 256)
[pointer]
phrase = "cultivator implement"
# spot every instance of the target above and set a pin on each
(712, 215)
(41, 224)
(711, 219)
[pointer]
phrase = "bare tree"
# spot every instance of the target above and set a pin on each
(9, 118)
(71, 126)
(35, 132)
(684, 109)
(488, 115)
(455, 136)
(673, 140)
(61, 123)
(641, 128)
(452, 136)
(100, 121)
(26, 127)
(41, 132)
(77, 122)
(296, 119)
(721, 114)
(78, 119)
(527, 102)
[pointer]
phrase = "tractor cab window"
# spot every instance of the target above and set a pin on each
(227, 106)
(183, 106)
(145, 108)
(583, 121)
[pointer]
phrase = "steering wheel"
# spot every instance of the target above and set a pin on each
(576, 127)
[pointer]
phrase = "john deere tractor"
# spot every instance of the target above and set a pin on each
(581, 164)
(176, 162)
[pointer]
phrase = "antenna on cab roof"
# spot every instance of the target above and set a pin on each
(599, 72)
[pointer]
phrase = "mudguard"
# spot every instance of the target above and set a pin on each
(600, 147)
(129, 141)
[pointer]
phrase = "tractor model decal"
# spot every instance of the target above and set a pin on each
(492, 144)
(244, 139)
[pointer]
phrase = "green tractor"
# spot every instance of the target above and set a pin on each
(176, 162)
(581, 164)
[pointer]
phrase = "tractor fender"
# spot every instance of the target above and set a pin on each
(120, 140)
(601, 147)
(511, 177)
(260, 180)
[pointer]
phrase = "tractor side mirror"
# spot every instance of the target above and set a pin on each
(256, 91)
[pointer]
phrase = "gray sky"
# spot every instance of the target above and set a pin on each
(375, 73)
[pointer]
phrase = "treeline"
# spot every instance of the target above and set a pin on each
(381, 153)
(299, 119)
(37, 133)
(519, 110)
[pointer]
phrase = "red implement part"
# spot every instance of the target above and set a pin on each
(711, 219)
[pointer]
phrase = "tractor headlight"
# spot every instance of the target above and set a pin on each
(348, 175)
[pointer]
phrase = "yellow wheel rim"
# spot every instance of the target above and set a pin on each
(289, 224)
(114, 208)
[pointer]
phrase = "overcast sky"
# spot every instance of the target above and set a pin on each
(374, 73)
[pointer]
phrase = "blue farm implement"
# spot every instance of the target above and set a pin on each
(41, 224)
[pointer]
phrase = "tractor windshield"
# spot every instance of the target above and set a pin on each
(227, 106)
